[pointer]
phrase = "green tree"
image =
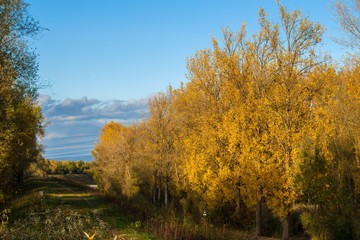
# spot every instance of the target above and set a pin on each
(20, 115)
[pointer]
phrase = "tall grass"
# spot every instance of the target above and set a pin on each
(168, 225)
(53, 224)
(168, 229)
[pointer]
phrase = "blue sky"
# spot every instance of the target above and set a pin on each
(128, 50)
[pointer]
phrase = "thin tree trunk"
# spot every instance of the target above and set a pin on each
(238, 201)
(159, 191)
(258, 218)
(154, 193)
(285, 233)
(166, 192)
(20, 178)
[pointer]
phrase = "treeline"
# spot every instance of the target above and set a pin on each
(66, 167)
(266, 129)
(21, 121)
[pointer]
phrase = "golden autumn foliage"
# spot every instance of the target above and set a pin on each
(113, 158)
(265, 126)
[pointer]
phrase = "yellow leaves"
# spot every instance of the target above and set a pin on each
(88, 236)
(242, 119)
(114, 159)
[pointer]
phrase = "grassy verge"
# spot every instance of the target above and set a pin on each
(56, 209)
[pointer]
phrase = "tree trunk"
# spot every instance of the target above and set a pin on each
(20, 178)
(258, 218)
(285, 233)
(154, 193)
(159, 191)
(238, 201)
(166, 192)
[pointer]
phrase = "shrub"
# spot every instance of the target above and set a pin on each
(313, 224)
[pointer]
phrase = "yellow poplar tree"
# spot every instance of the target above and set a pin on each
(206, 162)
(161, 144)
(287, 96)
(114, 160)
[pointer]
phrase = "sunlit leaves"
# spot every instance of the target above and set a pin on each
(260, 118)
(113, 160)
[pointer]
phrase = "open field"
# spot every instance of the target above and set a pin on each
(80, 180)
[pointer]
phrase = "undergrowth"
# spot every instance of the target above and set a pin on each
(168, 225)
(48, 209)
(61, 222)
(172, 229)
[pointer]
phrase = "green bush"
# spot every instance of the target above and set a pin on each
(313, 224)
(325, 224)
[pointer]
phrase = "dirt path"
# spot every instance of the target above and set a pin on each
(75, 193)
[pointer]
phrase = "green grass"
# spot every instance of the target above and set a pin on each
(73, 195)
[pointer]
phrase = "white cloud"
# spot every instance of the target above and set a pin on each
(52, 135)
(70, 147)
(75, 123)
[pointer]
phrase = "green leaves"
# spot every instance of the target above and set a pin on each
(21, 121)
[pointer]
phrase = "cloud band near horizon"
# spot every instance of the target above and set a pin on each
(74, 124)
